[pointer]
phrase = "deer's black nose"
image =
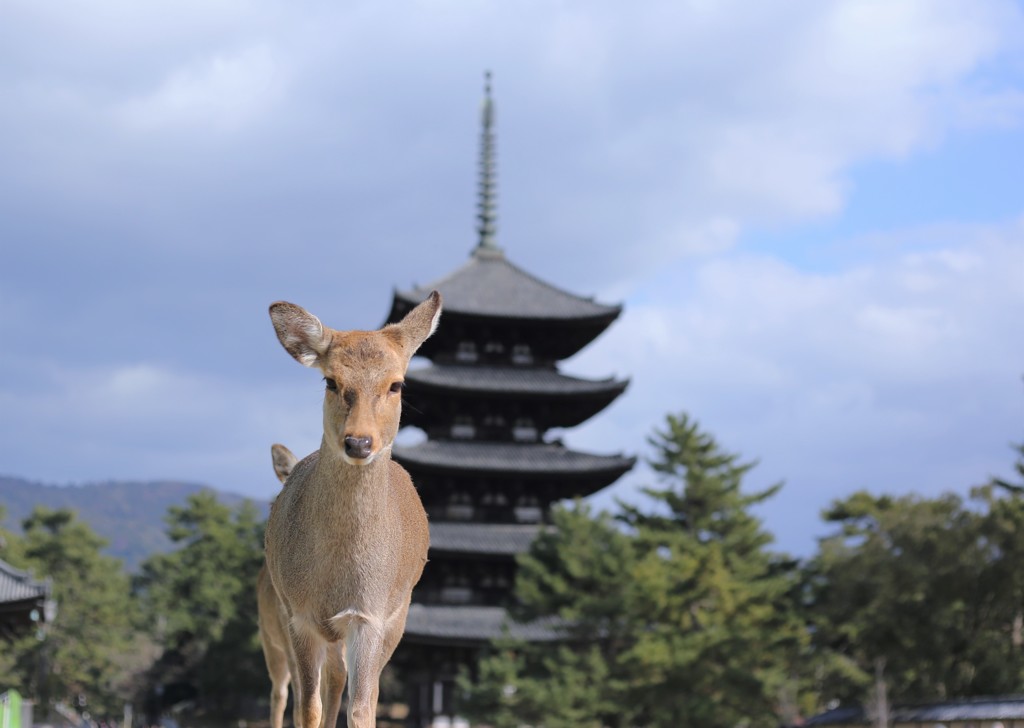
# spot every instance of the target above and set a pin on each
(358, 447)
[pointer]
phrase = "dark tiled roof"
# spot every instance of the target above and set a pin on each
(533, 458)
(17, 585)
(472, 624)
(482, 538)
(509, 379)
(1009, 707)
(489, 285)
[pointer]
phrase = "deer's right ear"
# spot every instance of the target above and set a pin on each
(300, 332)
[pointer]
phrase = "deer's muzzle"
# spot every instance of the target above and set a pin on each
(358, 448)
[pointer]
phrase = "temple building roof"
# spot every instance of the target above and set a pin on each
(511, 380)
(488, 539)
(472, 625)
(513, 458)
(17, 585)
(24, 601)
(488, 284)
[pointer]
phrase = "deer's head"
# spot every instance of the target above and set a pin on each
(364, 373)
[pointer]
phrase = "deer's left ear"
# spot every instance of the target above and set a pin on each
(417, 326)
(284, 461)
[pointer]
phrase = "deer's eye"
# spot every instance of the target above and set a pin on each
(331, 384)
(396, 387)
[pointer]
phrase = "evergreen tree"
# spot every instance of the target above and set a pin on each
(678, 616)
(199, 602)
(575, 581)
(900, 595)
(1002, 587)
(85, 659)
(720, 641)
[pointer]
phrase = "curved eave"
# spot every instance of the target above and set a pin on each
(481, 539)
(18, 586)
(489, 285)
(532, 459)
(599, 321)
(483, 379)
(471, 626)
(432, 406)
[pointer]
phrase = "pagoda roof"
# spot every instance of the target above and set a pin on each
(511, 380)
(500, 539)
(19, 586)
(488, 284)
(495, 457)
(473, 624)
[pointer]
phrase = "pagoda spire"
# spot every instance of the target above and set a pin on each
(487, 204)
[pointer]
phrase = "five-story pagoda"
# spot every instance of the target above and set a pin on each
(487, 473)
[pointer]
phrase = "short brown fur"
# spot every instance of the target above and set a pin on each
(273, 630)
(347, 538)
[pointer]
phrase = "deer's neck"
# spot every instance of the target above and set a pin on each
(359, 491)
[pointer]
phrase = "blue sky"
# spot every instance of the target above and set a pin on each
(811, 213)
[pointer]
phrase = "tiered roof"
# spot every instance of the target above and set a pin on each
(490, 285)
(498, 539)
(491, 392)
(497, 458)
(513, 381)
(552, 399)
(20, 595)
(513, 303)
(473, 626)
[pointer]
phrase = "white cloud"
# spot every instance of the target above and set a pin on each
(631, 137)
(222, 93)
(145, 421)
(900, 374)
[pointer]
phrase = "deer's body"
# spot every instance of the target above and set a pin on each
(276, 640)
(347, 538)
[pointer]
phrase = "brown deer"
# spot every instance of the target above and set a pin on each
(273, 630)
(347, 538)
(272, 622)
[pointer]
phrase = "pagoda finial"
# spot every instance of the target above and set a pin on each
(487, 205)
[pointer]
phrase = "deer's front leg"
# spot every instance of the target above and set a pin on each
(333, 683)
(309, 650)
(364, 651)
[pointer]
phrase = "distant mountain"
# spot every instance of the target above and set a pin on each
(130, 515)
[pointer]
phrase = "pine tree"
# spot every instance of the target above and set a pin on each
(86, 656)
(677, 615)
(574, 580)
(900, 595)
(722, 638)
(199, 602)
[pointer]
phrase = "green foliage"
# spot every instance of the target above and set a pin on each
(576, 579)
(12, 548)
(199, 605)
(558, 687)
(677, 616)
(929, 588)
(1002, 536)
(717, 604)
(86, 650)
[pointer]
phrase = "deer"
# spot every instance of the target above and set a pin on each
(347, 538)
(273, 628)
(273, 625)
